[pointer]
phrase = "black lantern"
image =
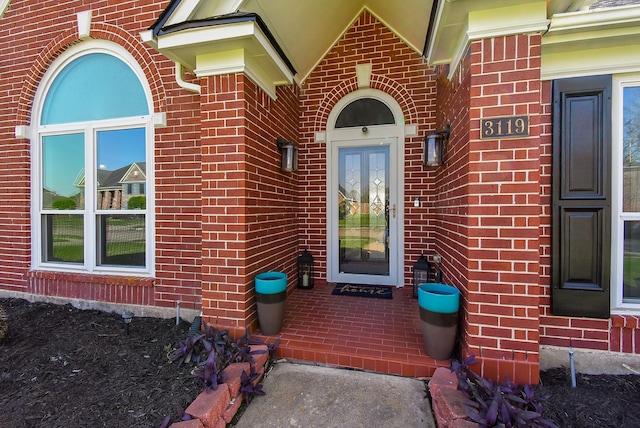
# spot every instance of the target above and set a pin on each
(289, 152)
(305, 270)
(421, 272)
(434, 147)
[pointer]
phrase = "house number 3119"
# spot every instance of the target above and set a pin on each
(497, 127)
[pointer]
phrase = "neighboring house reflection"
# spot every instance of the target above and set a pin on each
(115, 188)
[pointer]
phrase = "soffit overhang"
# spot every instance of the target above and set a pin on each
(279, 41)
(304, 31)
(455, 23)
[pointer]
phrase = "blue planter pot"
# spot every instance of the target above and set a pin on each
(271, 292)
(439, 305)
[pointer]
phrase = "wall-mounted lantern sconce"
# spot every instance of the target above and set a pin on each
(434, 147)
(289, 152)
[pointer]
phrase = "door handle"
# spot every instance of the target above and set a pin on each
(394, 210)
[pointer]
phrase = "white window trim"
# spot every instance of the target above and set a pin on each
(617, 216)
(89, 129)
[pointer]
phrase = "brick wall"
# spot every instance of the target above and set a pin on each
(397, 70)
(490, 205)
(249, 205)
(34, 34)
(452, 199)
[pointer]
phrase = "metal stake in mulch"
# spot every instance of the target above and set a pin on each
(128, 317)
(572, 367)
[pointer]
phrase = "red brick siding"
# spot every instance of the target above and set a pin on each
(397, 70)
(490, 205)
(451, 199)
(504, 206)
(249, 215)
(34, 34)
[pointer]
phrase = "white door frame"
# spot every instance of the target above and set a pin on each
(355, 137)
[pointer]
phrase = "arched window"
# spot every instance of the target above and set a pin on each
(365, 112)
(95, 135)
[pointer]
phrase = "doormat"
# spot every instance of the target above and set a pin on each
(378, 291)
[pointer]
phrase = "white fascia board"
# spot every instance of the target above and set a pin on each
(557, 41)
(484, 24)
(592, 20)
(592, 42)
(205, 35)
(587, 62)
(460, 51)
(3, 6)
(235, 61)
(503, 21)
(436, 24)
(183, 12)
(273, 55)
(220, 38)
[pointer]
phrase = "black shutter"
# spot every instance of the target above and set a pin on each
(581, 212)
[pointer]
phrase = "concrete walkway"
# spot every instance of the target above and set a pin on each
(300, 395)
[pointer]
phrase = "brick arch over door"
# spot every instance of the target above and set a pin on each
(382, 83)
(68, 38)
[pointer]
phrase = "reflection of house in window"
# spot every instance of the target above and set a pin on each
(115, 188)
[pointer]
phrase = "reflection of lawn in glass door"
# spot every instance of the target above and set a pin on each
(362, 244)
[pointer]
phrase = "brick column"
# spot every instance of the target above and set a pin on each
(224, 282)
(249, 206)
(502, 325)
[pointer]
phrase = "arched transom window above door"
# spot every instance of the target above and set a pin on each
(365, 112)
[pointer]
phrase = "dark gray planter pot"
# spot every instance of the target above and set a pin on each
(271, 293)
(439, 305)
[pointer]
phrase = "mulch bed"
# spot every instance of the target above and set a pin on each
(65, 367)
(597, 401)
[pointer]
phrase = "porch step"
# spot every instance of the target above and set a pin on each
(362, 333)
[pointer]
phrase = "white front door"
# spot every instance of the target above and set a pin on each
(365, 190)
(364, 213)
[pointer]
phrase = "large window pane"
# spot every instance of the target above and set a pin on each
(631, 262)
(121, 240)
(63, 238)
(631, 151)
(63, 172)
(121, 168)
(94, 87)
(631, 193)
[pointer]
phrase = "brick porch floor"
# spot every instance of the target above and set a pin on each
(379, 335)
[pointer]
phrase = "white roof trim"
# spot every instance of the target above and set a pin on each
(231, 48)
(594, 19)
(599, 41)
(4, 4)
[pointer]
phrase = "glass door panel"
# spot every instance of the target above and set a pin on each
(363, 210)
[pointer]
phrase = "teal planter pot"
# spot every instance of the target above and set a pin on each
(271, 293)
(439, 305)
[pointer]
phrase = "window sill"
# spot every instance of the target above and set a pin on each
(132, 281)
